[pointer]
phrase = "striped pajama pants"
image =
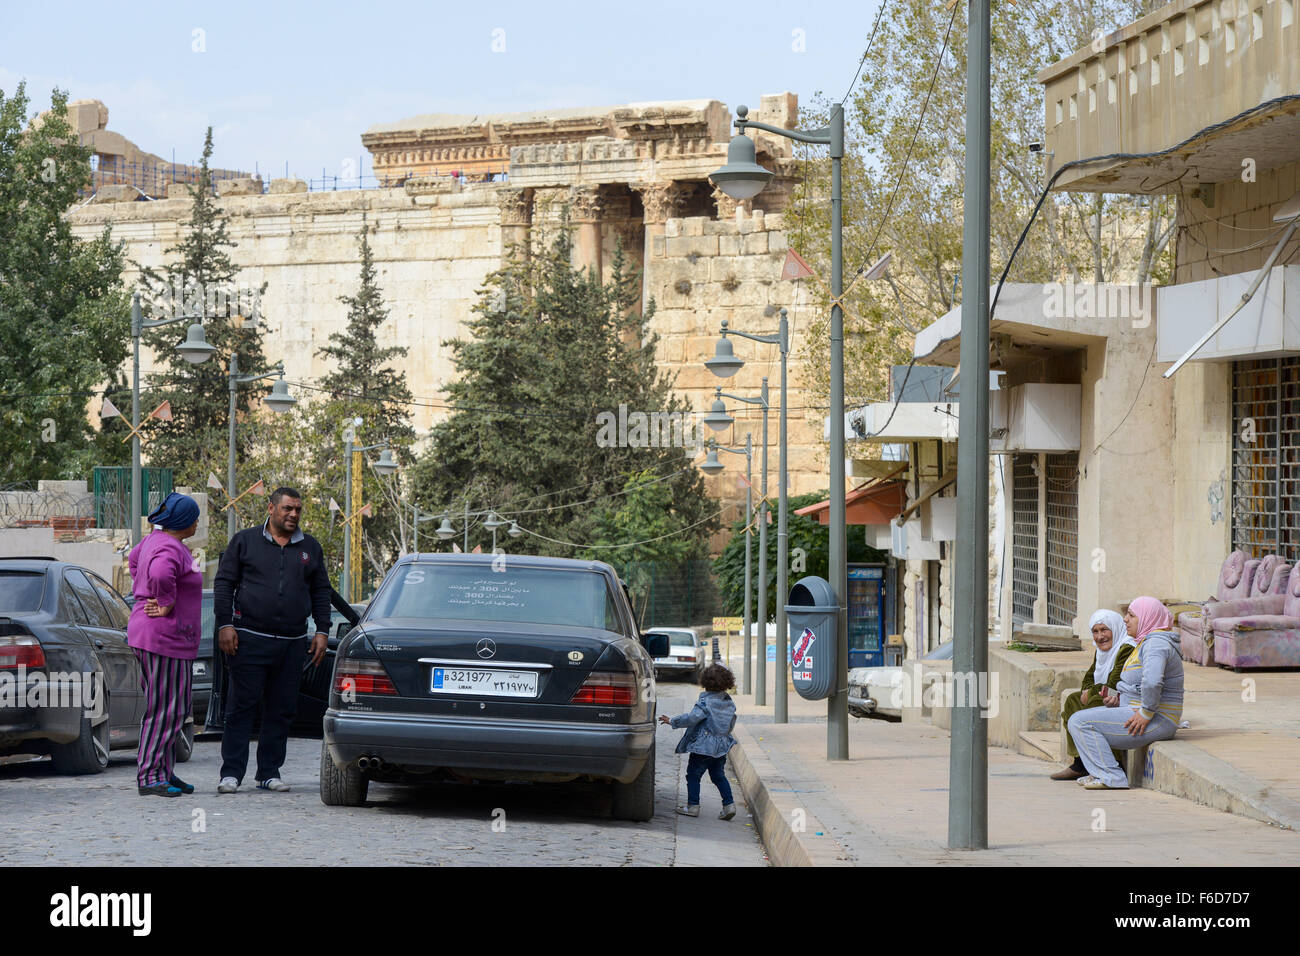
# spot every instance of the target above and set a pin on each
(1097, 729)
(167, 683)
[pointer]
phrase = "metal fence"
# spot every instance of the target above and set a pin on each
(112, 493)
(1024, 537)
(672, 594)
(1062, 558)
(23, 506)
(152, 179)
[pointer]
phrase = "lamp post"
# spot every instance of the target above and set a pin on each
(195, 349)
(725, 364)
(193, 353)
(742, 178)
(385, 466)
(492, 521)
(718, 419)
(712, 466)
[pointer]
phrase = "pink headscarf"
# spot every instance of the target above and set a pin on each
(1151, 615)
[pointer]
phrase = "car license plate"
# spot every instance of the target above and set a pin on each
(484, 682)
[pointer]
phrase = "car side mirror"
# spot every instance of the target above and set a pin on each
(656, 645)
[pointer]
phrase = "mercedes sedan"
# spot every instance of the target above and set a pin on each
(494, 667)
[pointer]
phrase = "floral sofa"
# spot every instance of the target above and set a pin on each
(1239, 580)
(1262, 632)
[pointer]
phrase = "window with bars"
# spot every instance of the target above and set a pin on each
(1024, 537)
(1266, 457)
(1062, 513)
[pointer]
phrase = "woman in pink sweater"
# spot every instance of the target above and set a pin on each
(164, 632)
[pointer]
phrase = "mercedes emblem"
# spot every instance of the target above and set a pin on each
(486, 648)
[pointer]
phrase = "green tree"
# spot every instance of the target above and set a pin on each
(202, 279)
(551, 348)
(805, 535)
(64, 315)
(904, 180)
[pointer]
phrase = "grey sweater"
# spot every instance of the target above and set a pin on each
(1152, 678)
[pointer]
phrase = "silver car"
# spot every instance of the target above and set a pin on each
(688, 651)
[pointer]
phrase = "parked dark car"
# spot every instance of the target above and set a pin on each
(64, 627)
(462, 670)
(202, 667)
(313, 690)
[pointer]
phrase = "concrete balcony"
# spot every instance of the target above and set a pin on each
(1156, 83)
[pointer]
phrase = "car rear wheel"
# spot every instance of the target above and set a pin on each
(183, 748)
(636, 800)
(341, 788)
(88, 753)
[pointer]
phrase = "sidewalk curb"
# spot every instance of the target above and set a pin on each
(773, 812)
(1182, 769)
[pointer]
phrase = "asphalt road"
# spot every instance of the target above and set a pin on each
(102, 820)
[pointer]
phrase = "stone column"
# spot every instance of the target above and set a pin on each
(727, 206)
(516, 221)
(586, 207)
(661, 201)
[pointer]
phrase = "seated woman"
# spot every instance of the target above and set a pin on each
(1147, 703)
(1114, 645)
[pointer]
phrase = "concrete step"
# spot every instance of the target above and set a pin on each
(1040, 744)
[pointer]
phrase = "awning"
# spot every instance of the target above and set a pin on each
(876, 502)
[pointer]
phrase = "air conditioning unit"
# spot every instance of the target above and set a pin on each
(1035, 417)
(907, 543)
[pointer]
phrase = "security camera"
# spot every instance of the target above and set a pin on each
(1035, 147)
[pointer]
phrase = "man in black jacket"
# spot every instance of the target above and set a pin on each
(270, 580)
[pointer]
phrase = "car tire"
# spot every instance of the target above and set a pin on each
(636, 800)
(341, 788)
(88, 753)
(183, 747)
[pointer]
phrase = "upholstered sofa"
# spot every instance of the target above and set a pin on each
(1238, 580)
(1263, 637)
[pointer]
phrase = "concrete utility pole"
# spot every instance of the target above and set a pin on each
(968, 782)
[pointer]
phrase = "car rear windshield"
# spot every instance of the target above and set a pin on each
(681, 640)
(517, 596)
(21, 590)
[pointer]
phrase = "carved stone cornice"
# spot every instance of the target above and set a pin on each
(516, 206)
(662, 201)
(727, 206)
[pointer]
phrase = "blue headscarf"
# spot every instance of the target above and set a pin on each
(176, 512)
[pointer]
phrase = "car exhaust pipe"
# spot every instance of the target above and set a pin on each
(364, 763)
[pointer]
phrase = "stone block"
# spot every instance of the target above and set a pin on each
(672, 227)
(745, 226)
(241, 186)
(776, 241)
(714, 227)
(178, 191)
(116, 192)
(279, 186)
(694, 226)
(759, 219)
(658, 247)
(755, 244)
(730, 245)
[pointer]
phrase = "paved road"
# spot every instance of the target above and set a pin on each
(101, 820)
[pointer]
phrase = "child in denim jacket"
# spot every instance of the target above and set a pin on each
(707, 739)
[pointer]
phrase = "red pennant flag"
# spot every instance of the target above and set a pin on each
(163, 412)
(478, 549)
(258, 488)
(795, 267)
(109, 410)
(366, 512)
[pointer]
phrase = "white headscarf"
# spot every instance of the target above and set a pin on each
(1120, 635)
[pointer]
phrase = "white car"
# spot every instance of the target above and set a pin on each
(881, 692)
(688, 651)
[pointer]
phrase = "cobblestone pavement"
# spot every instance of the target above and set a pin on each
(101, 820)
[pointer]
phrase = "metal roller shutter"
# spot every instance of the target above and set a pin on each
(1024, 537)
(1266, 457)
(1062, 493)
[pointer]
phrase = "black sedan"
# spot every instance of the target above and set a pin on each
(69, 684)
(467, 668)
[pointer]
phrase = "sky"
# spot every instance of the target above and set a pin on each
(298, 83)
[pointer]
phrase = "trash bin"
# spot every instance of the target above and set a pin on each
(813, 617)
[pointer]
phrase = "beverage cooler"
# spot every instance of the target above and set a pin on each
(871, 613)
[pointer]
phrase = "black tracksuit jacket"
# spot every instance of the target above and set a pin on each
(265, 587)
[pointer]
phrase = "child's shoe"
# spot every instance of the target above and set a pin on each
(728, 811)
(690, 811)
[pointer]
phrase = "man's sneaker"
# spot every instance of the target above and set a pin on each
(227, 785)
(691, 811)
(728, 811)
(274, 783)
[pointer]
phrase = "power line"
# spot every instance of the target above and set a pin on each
(867, 52)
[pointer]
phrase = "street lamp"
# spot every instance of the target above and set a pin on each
(719, 366)
(711, 466)
(196, 350)
(492, 521)
(741, 179)
(384, 466)
(760, 681)
(193, 352)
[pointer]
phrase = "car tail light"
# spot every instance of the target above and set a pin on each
(606, 687)
(21, 650)
(362, 677)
